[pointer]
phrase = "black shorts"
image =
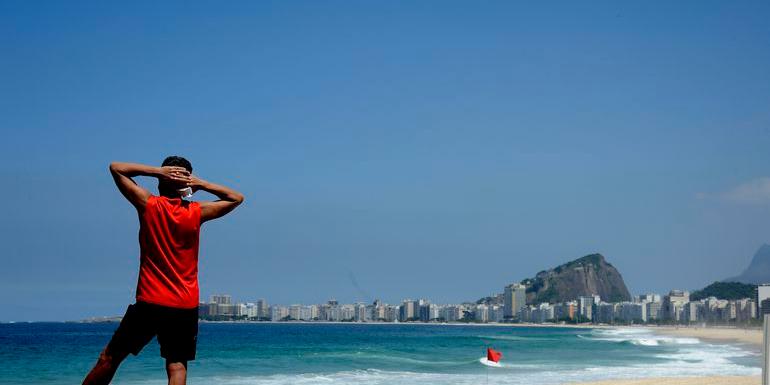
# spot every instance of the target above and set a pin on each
(177, 331)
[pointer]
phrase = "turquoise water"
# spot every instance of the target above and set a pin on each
(297, 353)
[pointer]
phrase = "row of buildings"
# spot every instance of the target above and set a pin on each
(509, 306)
(675, 307)
(221, 307)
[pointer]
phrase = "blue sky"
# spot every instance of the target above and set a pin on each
(386, 149)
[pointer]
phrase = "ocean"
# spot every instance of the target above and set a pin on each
(401, 354)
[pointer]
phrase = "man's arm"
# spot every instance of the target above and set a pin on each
(229, 199)
(123, 172)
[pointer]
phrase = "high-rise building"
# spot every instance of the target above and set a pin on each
(263, 309)
(240, 309)
(747, 309)
(514, 298)
(633, 312)
(278, 313)
(361, 314)
(391, 313)
(482, 313)
(673, 304)
(763, 300)
(653, 310)
(251, 310)
(410, 310)
(586, 306)
(294, 312)
(428, 311)
(690, 312)
(649, 297)
(379, 311)
(226, 309)
(452, 313)
(496, 313)
(540, 313)
(565, 310)
(605, 313)
(221, 299)
(347, 313)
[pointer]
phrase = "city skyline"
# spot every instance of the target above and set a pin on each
(507, 306)
(675, 307)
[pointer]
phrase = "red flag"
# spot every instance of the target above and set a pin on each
(493, 355)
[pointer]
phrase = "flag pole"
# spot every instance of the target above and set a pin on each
(486, 370)
(766, 351)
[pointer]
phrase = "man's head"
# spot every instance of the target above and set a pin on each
(178, 161)
(166, 188)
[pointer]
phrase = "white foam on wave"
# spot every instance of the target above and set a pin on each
(637, 336)
(511, 338)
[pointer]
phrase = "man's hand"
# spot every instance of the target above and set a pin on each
(195, 183)
(174, 175)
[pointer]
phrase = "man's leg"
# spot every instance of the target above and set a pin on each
(133, 333)
(105, 367)
(178, 337)
(177, 372)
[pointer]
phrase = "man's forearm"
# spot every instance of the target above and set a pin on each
(134, 169)
(222, 192)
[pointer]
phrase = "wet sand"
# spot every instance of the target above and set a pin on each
(713, 334)
(732, 380)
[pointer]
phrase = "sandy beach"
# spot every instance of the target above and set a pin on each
(747, 336)
(752, 380)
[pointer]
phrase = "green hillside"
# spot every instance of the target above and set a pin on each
(725, 290)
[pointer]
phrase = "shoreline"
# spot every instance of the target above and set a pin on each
(458, 324)
(742, 336)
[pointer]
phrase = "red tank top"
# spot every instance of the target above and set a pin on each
(168, 241)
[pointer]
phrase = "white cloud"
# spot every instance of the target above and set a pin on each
(754, 192)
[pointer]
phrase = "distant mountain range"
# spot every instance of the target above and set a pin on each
(759, 269)
(589, 275)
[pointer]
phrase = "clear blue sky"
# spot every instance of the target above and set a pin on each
(412, 149)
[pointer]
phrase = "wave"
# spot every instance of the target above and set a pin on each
(384, 358)
(640, 337)
(512, 338)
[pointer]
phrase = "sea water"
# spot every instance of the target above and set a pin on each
(401, 354)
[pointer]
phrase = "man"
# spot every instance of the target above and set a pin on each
(167, 292)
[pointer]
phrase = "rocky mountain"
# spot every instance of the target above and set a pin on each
(758, 270)
(588, 275)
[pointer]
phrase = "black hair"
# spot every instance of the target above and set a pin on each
(174, 160)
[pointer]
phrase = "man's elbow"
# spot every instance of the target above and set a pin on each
(238, 198)
(113, 167)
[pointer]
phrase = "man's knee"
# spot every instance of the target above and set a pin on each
(110, 357)
(176, 367)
